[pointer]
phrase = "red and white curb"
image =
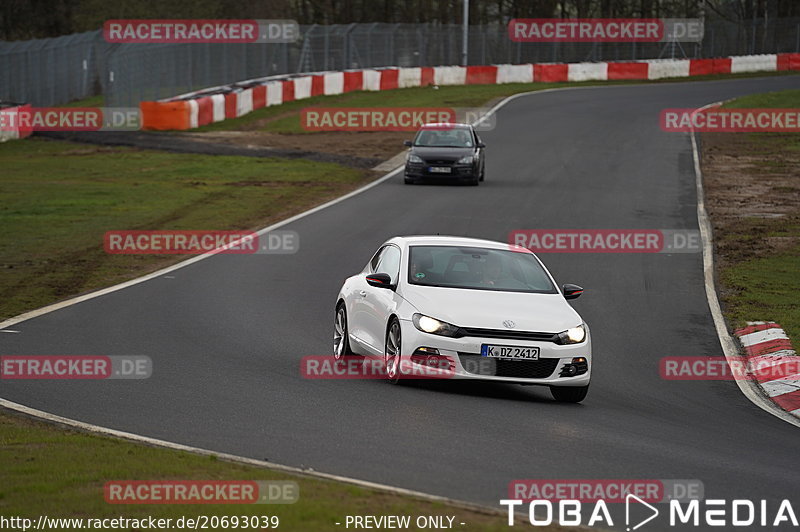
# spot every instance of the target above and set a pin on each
(767, 345)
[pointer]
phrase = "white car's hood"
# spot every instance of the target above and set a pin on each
(488, 309)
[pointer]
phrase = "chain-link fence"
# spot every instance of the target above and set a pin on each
(56, 71)
(50, 71)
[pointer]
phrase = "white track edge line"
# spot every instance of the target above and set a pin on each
(749, 388)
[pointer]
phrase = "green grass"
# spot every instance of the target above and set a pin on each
(780, 99)
(48, 470)
(765, 287)
(57, 199)
(92, 101)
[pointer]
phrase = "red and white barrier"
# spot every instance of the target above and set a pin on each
(514, 74)
(587, 72)
(218, 101)
(754, 63)
(409, 77)
(10, 115)
(274, 93)
(672, 68)
(372, 80)
(244, 102)
(193, 110)
(302, 87)
(767, 346)
(449, 75)
(334, 83)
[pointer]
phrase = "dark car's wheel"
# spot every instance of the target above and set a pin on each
(569, 394)
(341, 339)
(392, 351)
(408, 181)
(483, 173)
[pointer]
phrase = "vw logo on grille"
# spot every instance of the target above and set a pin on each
(508, 324)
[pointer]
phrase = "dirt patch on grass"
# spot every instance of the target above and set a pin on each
(355, 150)
(379, 145)
(752, 184)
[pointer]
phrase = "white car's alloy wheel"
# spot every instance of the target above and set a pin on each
(392, 352)
(340, 343)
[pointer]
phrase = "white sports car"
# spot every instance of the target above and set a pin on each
(464, 308)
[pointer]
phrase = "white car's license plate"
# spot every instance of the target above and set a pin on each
(508, 351)
(439, 169)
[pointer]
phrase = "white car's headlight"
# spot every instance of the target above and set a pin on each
(414, 158)
(574, 335)
(433, 326)
(467, 159)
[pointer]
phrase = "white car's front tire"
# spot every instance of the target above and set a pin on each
(341, 338)
(391, 351)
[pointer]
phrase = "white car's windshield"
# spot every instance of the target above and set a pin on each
(477, 268)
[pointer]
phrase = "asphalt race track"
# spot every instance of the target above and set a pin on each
(227, 334)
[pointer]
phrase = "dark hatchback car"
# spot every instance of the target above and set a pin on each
(445, 152)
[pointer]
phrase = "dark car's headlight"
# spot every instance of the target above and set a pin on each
(433, 326)
(467, 159)
(574, 335)
(414, 159)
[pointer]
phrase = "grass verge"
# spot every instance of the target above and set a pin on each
(57, 199)
(48, 470)
(753, 187)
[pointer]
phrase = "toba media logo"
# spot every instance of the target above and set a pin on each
(587, 503)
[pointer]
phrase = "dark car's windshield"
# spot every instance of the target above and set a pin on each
(477, 268)
(445, 137)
